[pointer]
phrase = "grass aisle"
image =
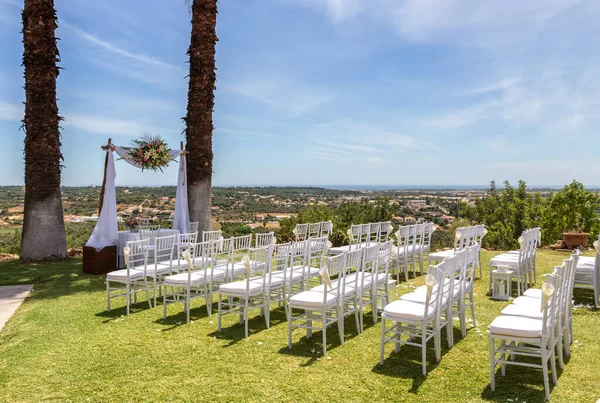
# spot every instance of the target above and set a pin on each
(63, 345)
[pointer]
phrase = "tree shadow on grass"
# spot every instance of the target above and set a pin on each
(236, 332)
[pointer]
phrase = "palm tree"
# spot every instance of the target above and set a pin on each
(43, 226)
(198, 120)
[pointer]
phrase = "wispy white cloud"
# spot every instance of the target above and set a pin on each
(11, 112)
(280, 93)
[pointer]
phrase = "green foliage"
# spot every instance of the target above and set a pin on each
(572, 209)
(441, 239)
(235, 229)
(10, 241)
(506, 213)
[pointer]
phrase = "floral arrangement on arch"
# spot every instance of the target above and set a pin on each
(150, 152)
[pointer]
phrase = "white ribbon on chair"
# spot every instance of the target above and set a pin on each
(350, 235)
(246, 263)
(547, 292)
(187, 258)
(324, 273)
(126, 251)
(597, 246)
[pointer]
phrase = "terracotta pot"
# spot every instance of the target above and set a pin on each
(576, 239)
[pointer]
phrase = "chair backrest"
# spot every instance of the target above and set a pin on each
(163, 249)
(264, 239)
(326, 228)
(259, 258)
(138, 254)
(568, 299)
(149, 232)
(354, 236)
(428, 229)
(437, 279)
(385, 231)
(402, 236)
(194, 226)
(335, 266)
(463, 238)
(385, 257)
(314, 230)
(300, 232)
(240, 245)
(211, 235)
(414, 237)
(551, 313)
(374, 232)
(316, 250)
(370, 259)
(459, 275)
(471, 264)
(365, 235)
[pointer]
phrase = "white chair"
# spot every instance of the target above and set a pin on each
(402, 253)
(366, 283)
(415, 320)
(133, 277)
(385, 231)
(326, 228)
(325, 305)
(149, 232)
(374, 233)
(522, 336)
(519, 263)
(466, 290)
(194, 226)
(300, 232)
(314, 230)
(250, 293)
(462, 238)
(587, 273)
(212, 235)
(428, 228)
(382, 286)
(264, 239)
(184, 242)
(354, 236)
(162, 264)
(199, 280)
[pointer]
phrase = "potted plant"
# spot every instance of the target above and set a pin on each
(576, 237)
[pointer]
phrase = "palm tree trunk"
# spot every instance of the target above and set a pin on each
(201, 99)
(43, 226)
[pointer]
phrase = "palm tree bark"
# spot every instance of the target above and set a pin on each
(198, 120)
(43, 235)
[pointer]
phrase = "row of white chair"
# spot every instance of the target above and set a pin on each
(537, 324)
(587, 273)
(521, 262)
(364, 235)
(352, 281)
(419, 316)
(463, 237)
(413, 245)
(312, 230)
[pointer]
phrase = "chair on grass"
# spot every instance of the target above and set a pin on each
(149, 232)
(200, 280)
(248, 294)
(354, 236)
(326, 228)
(521, 264)
(194, 226)
(587, 273)
(523, 336)
(183, 242)
(418, 321)
(133, 278)
(162, 264)
(211, 235)
(300, 232)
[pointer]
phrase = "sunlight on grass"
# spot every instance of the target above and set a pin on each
(63, 345)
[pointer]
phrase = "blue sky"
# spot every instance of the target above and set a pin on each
(322, 92)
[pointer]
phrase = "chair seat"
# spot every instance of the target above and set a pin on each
(533, 293)
(160, 268)
(349, 290)
(407, 310)
(255, 287)
(525, 310)
(439, 256)
(182, 279)
(585, 265)
(516, 326)
(310, 271)
(313, 299)
(419, 297)
(505, 259)
(291, 276)
(336, 250)
(121, 275)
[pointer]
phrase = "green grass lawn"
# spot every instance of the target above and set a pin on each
(63, 345)
(8, 230)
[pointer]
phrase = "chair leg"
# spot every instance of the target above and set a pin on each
(382, 342)
(219, 312)
(128, 295)
(187, 305)
(290, 318)
(545, 373)
(165, 303)
(341, 325)
(324, 334)
(309, 324)
(492, 365)
(397, 337)
(553, 367)
(148, 294)
(108, 295)
(472, 303)
(374, 304)
(246, 318)
(154, 290)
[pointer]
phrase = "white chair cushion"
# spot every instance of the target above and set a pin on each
(312, 299)
(439, 256)
(525, 310)
(292, 276)
(181, 279)
(121, 275)
(505, 260)
(586, 265)
(349, 290)
(337, 250)
(407, 310)
(533, 293)
(516, 326)
(239, 287)
(310, 271)
(161, 268)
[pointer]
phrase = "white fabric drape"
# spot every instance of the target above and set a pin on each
(106, 231)
(181, 219)
(124, 154)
